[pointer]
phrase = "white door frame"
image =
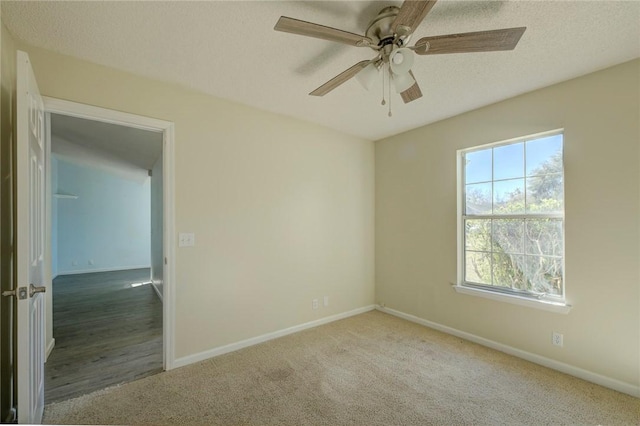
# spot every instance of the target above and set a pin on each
(74, 109)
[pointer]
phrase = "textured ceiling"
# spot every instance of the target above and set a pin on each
(229, 49)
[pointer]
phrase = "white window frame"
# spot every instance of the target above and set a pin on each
(551, 303)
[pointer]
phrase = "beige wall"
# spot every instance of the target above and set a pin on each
(282, 210)
(416, 222)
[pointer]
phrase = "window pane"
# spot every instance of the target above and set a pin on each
(545, 194)
(544, 237)
(477, 267)
(477, 234)
(477, 166)
(508, 161)
(508, 197)
(508, 236)
(544, 155)
(508, 270)
(478, 198)
(544, 274)
(511, 186)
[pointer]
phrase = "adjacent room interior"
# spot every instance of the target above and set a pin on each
(425, 261)
(106, 301)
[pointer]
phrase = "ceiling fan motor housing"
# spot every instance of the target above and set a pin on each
(380, 32)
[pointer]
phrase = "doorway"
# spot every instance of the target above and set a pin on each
(143, 288)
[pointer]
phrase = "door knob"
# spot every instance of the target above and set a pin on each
(21, 292)
(35, 289)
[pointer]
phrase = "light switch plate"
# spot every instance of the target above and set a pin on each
(186, 239)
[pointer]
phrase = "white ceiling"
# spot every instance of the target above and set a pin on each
(229, 49)
(118, 147)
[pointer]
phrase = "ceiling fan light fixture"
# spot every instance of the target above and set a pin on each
(368, 75)
(401, 60)
(403, 81)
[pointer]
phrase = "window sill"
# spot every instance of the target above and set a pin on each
(546, 305)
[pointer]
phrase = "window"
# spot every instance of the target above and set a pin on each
(512, 217)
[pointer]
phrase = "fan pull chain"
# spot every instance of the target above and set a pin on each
(383, 101)
(389, 88)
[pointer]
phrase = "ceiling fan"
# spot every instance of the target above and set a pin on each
(388, 35)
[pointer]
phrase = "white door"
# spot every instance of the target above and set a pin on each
(30, 151)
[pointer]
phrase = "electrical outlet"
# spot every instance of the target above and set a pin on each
(326, 301)
(557, 339)
(314, 303)
(91, 262)
(74, 263)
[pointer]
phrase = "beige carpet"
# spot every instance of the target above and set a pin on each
(371, 369)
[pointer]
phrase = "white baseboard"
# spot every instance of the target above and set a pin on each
(115, 268)
(156, 290)
(49, 348)
(589, 376)
(201, 356)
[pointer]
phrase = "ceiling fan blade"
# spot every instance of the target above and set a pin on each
(412, 93)
(481, 41)
(411, 15)
(340, 78)
(296, 26)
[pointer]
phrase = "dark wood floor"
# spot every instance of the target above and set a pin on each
(107, 332)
